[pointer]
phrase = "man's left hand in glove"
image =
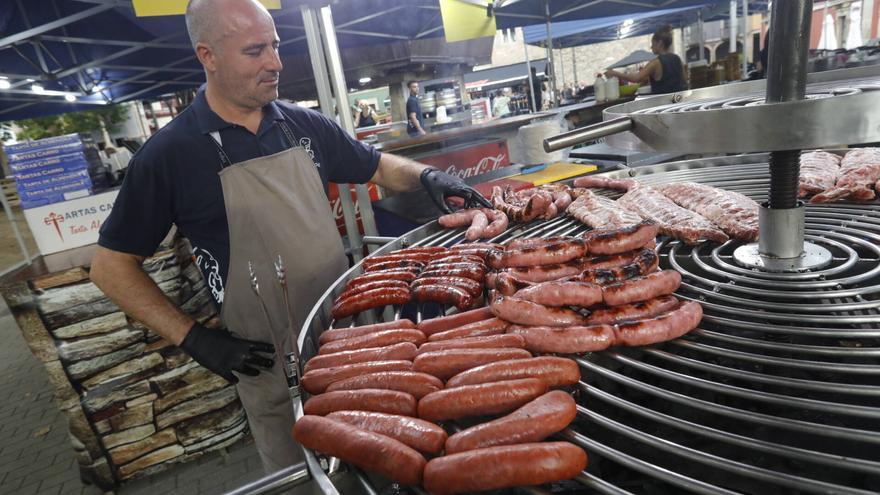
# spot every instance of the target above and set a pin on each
(441, 185)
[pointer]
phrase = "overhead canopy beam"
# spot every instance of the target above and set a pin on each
(99, 41)
(112, 56)
(57, 23)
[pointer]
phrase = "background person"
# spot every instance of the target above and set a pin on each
(665, 73)
(415, 123)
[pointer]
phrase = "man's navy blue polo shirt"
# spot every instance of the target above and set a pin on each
(172, 179)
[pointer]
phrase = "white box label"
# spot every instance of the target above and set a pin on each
(61, 226)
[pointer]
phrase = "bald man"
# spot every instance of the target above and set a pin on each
(244, 177)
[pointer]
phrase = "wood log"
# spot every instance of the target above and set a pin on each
(192, 408)
(88, 347)
(162, 455)
(128, 436)
(88, 367)
(131, 451)
(99, 325)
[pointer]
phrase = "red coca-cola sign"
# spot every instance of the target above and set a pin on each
(471, 161)
(336, 205)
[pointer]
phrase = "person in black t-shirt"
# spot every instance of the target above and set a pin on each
(415, 123)
(665, 73)
(365, 116)
(537, 86)
(244, 177)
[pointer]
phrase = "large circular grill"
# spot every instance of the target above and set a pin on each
(778, 389)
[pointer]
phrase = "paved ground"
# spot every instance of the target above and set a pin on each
(36, 456)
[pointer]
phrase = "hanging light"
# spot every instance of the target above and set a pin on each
(69, 97)
(365, 80)
(4, 83)
(36, 88)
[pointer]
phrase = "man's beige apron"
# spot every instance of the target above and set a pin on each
(275, 205)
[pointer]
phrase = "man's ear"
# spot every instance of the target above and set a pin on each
(206, 56)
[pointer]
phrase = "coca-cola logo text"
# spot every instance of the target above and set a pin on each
(486, 164)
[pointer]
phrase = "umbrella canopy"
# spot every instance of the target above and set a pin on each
(636, 57)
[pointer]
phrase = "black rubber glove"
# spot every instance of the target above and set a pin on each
(220, 352)
(441, 185)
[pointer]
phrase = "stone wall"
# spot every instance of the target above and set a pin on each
(135, 403)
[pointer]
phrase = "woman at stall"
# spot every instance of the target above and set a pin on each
(365, 116)
(665, 73)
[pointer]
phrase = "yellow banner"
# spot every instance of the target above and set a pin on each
(147, 8)
(464, 20)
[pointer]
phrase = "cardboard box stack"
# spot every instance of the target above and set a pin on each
(53, 170)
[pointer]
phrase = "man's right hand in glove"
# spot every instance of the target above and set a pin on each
(220, 352)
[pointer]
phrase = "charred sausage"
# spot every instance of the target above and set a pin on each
(417, 433)
(435, 325)
(475, 272)
(633, 311)
(317, 381)
(553, 371)
(403, 351)
(621, 240)
(529, 313)
(450, 362)
(416, 384)
(566, 340)
(385, 455)
(370, 299)
(405, 274)
(666, 326)
(444, 294)
(368, 399)
(548, 254)
(470, 286)
(479, 400)
(381, 338)
(642, 288)
(332, 334)
(533, 422)
(504, 467)
(392, 265)
(378, 284)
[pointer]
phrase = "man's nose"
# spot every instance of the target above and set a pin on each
(274, 63)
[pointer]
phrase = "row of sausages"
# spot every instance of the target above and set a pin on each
(378, 406)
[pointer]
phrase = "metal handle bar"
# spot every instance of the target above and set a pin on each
(588, 133)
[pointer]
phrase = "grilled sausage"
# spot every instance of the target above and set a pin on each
(317, 381)
(456, 265)
(332, 334)
(492, 326)
(444, 294)
(642, 288)
(370, 299)
(378, 284)
(368, 399)
(482, 342)
(433, 250)
(621, 240)
(633, 311)
(508, 285)
(405, 274)
(392, 265)
(416, 384)
(481, 252)
(417, 433)
(478, 225)
(403, 351)
(566, 340)
(646, 262)
(534, 242)
(498, 223)
(475, 272)
(548, 254)
(461, 218)
(454, 257)
(450, 362)
(667, 326)
(385, 455)
(504, 467)
(479, 400)
(553, 371)
(533, 422)
(435, 325)
(381, 338)
(529, 313)
(562, 294)
(470, 286)
(422, 257)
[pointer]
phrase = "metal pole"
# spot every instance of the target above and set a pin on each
(732, 43)
(702, 37)
(782, 234)
(550, 63)
(746, 39)
(529, 87)
(574, 67)
(340, 88)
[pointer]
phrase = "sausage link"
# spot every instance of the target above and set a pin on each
(474, 272)
(504, 466)
(533, 422)
(317, 381)
(391, 265)
(444, 294)
(498, 223)
(332, 334)
(471, 286)
(554, 371)
(378, 284)
(368, 399)
(407, 275)
(370, 299)
(476, 245)
(432, 250)
(642, 288)
(508, 285)
(387, 456)
(371, 261)
(478, 225)
(454, 257)
(548, 254)
(403, 351)
(455, 266)
(557, 294)
(566, 340)
(646, 262)
(416, 384)
(436, 325)
(480, 252)
(491, 326)
(482, 342)
(529, 313)
(461, 218)
(479, 400)
(450, 362)
(667, 326)
(534, 242)
(621, 240)
(417, 433)
(381, 338)
(633, 311)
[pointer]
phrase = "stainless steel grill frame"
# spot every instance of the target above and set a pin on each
(777, 391)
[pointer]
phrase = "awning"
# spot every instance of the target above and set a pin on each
(636, 57)
(507, 75)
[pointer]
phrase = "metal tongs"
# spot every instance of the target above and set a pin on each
(290, 361)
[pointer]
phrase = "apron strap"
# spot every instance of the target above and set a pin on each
(224, 158)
